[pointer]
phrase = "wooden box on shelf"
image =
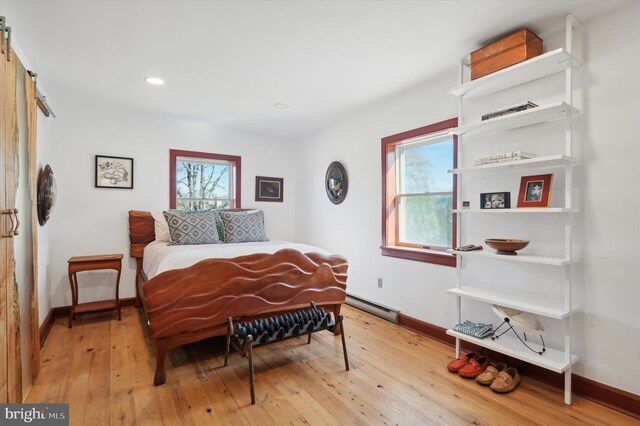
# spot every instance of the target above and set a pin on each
(507, 51)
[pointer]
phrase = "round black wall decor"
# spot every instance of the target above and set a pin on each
(46, 194)
(336, 182)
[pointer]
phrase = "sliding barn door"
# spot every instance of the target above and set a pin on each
(10, 151)
(22, 240)
(5, 88)
(30, 191)
(19, 335)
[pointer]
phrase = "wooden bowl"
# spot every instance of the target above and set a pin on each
(506, 247)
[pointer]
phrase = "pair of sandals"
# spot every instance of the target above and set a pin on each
(499, 378)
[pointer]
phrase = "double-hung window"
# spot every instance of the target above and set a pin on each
(419, 194)
(204, 181)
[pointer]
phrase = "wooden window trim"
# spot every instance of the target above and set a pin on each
(175, 153)
(389, 222)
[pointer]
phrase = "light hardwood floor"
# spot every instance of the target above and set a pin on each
(104, 369)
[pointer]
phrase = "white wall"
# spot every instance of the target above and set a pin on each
(606, 330)
(353, 227)
(610, 328)
(90, 220)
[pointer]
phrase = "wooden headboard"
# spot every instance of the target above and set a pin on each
(142, 230)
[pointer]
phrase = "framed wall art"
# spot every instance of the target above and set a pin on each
(336, 182)
(47, 192)
(535, 191)
(114, 172)
(495, 200)
(269, 189)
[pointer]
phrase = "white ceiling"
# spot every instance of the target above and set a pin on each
(228, 62)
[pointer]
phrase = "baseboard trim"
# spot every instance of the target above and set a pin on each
(617, 399)
(45, 328)
(63, 311)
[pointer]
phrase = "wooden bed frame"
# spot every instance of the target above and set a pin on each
(191, 304)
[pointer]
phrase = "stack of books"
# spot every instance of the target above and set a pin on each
(504, 157)
(510, 110)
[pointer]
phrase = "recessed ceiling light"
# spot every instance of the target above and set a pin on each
(280, 106)
(156, 81)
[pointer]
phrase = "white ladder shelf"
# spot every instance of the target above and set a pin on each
(553, 62)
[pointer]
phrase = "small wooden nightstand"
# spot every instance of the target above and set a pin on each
(92, 263)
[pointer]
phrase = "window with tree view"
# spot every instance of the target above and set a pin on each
(203, 181)
(418, 194)
(424, 195)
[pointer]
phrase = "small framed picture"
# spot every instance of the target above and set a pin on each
(114, 172)
(535, 191)
(495, 200)
(269, 189)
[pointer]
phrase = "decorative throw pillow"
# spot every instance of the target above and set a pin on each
(161, 227)
(189, 228)
(243, 227)
(219, 225)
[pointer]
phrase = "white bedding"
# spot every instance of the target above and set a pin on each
(160, 257)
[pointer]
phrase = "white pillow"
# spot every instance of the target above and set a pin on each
(161, 227)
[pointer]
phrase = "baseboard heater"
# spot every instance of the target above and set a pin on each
(373, 308)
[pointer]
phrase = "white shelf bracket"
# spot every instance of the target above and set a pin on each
(573, 22)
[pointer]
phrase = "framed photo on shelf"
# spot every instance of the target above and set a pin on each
(535, 191)
(114, 172)
(269, 189)
(495, 200)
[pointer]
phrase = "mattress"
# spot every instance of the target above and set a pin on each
(160, 257)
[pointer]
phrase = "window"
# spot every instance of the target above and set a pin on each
(203, 181)
(418, 194)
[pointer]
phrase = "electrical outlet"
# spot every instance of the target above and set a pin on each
(379, 282)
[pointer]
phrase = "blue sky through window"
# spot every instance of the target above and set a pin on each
(426, 167)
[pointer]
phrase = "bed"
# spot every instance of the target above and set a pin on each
(188, 292)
